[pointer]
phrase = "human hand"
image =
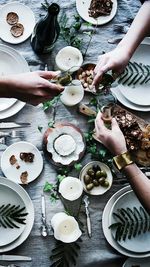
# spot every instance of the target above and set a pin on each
(31, 87)
(113, 139)
(115, 60)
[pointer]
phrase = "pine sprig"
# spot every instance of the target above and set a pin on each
(135, 73)
(65, 254)
(130, 223)
(11, 216)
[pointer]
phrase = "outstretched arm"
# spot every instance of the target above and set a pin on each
(118, 58)
(31, 87)
(114, 140)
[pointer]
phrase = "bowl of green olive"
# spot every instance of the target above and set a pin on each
(96, 178)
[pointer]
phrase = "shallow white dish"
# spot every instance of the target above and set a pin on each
(30, 217)
(107, 231)
(10, 57)
(83, 6)
(140, 94)
(18, 105)
(137, 262)
(129, 199)
(26, 17)
(10, 196)
(126, 103)
(97, 190)
(34, 169)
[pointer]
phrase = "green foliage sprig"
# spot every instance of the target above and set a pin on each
(11, 216)
(130, 223)
(65, 254)
(69, 31)
(51, 103)
(135, 73)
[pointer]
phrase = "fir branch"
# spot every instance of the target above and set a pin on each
(130, 223)
(135, 73)
(12, 215)
(65, 254)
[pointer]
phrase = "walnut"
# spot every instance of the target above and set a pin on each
(24, 177)
(27, 157)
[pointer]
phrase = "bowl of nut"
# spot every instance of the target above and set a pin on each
(85, 74)
(96, 178)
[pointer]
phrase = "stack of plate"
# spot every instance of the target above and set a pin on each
(137, 98)
(14, 194)
(130, 262)
(130, 247)
(11, 63)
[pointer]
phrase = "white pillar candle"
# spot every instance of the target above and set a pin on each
(72, 94)
(66, 228)
(69, 58)
(71, 188)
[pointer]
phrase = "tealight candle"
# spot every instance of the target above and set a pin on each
(66, 228)
(69, 58)
(72, 94)
(71, 188)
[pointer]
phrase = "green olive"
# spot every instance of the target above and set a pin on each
(96, 168)
(98, 174)
(103, 174)
(95, 182)
(106, 183)
(102, 180)
(87, 179)
(91, 173)
(90, 186)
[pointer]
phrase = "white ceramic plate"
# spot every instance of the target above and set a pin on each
(30, 218)
(130, 262)
(34, 169)
(97, 190)
(83, 6)
(130, 200)
(12, 110)
(26, 17)
(10, 57)
(107, 231)
(9, 196)
(140, 94)
(126, 103)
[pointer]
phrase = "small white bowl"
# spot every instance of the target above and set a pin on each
(69, 58)
(97, 190)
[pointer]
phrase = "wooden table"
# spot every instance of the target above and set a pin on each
(95, 251)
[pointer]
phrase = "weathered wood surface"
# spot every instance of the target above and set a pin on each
(95, 251)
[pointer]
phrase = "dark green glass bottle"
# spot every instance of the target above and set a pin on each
(46, 31)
